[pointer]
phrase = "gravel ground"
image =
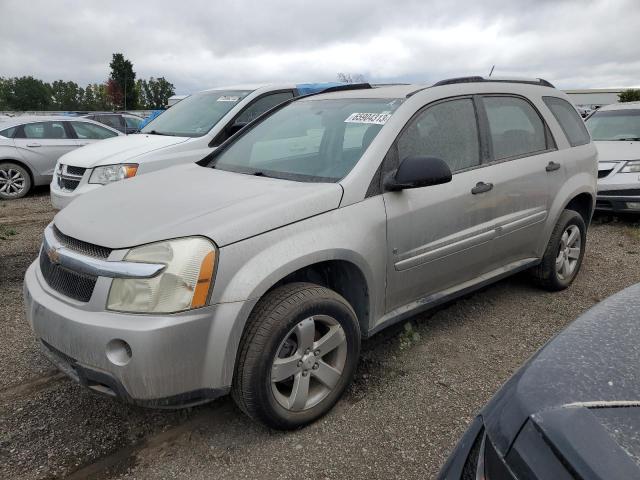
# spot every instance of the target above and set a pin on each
(417, 385)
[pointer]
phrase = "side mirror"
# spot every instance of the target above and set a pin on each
(418, 171)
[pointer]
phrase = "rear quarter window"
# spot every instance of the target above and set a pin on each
(570, 122)
(8, 132)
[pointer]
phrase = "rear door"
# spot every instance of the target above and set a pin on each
(42, 143)
(526, 173)
(439, 236)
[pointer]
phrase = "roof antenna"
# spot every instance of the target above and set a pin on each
(492, 67)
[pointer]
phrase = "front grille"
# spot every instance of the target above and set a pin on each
(629, 192)
(81, 247)
(75, 170)
(67, 282)
(69, 177)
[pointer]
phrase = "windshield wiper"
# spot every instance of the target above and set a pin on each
(629, 139)
(155, 132)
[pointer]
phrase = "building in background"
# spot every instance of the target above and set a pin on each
(594, 97)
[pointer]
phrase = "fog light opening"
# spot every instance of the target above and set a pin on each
(119, 352)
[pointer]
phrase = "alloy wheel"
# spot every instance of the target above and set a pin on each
(12, 182)
(569, 254)
(309, 363)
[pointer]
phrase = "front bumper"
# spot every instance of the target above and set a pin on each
(175, 360)
(619, 192)
(61, 198)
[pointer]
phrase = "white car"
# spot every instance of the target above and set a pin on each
(31, 145)
(185, 133)
(616, 132)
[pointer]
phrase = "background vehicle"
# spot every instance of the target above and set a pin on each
(572, 411)
(259, 269)
(123, 122)
(185, 133)
(31, 146)
(616, 132)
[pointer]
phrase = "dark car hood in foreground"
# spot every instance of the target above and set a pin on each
(192, 200)
(579, 386)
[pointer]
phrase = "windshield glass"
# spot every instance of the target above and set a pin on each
(195, 115)
(309, 140)
(615, 125)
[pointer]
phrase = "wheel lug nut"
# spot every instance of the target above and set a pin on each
(316, 353)
(299, 363)
(305, 373)
(315, 366)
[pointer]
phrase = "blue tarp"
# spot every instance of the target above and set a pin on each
(153, 115)
(307, 88)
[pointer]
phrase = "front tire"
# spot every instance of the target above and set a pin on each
(563, 257)
(15, 181)
(297, 356)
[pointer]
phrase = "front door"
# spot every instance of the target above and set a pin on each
(439, 236)
(42, 143)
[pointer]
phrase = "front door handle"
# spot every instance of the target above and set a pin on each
(33, 145)
(552, 167)
(481, 187)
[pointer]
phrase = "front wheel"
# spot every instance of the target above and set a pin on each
(297, 356)
(563, 257)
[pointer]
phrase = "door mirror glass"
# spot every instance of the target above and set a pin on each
(418, 171)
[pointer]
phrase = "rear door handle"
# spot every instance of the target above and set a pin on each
(481, 187)
(33, 145)
(552, 167)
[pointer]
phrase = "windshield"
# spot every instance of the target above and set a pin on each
(615, 125)
(195, 115)
(309, 140)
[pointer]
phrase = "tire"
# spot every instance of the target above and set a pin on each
(552, 274)
(15, 181)
(275, 343)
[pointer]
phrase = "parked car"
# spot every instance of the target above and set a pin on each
(572, 411)
(123, 122)
(185, 133)
(31, 145)
(616, 132)
(258, 270)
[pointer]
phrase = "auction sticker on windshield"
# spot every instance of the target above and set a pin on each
(228, 98)
(373, 118)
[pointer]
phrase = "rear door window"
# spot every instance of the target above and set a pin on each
(570, 122)
(114, 121)
(516, 129)
(89, 131)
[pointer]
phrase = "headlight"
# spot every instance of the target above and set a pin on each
(113, 173)
(183, 285)
(631, 167)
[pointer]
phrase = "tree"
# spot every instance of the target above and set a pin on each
(4, 93)
(115, 96)
(156, 92)
(630, 95)
(125, 78)
(28, 93)
(351, 77)
(66, 95)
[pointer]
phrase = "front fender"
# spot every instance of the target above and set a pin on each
(249, 268)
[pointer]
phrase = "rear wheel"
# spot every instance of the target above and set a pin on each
(297, 356)
(563, 257)
(15, 181)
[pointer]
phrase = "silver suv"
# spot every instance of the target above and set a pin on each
(259, 271)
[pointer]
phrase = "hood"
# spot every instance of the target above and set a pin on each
(191, 200)
(594, 362)
(120, 149)
(618, 150)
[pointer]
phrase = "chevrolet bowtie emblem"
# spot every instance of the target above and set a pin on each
(53, 255)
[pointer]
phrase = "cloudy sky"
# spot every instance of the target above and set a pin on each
(201, 44)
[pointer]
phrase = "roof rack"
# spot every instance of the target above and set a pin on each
(475, 79)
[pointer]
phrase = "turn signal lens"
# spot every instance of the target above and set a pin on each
(204, 281)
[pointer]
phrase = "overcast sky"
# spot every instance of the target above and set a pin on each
(202, 44)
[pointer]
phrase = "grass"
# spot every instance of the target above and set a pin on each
(6, 232)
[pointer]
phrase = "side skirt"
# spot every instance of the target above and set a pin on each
(435, 299)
